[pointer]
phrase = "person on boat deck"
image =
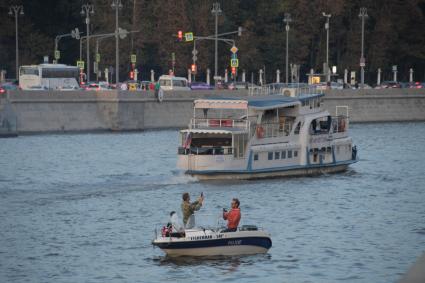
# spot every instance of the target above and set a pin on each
(188, 210)
(233, 216)
(176, 225)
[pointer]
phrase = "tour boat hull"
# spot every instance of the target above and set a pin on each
(271, 173)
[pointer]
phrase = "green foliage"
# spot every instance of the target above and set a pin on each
(394, 34)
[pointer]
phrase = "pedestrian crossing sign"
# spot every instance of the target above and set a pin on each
(80, 64)
(188, 36)
(234, 63)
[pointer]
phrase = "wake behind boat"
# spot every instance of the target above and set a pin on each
(261, 137)
(248, 239)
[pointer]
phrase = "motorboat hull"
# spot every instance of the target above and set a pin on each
(211, 243)
(216, 251)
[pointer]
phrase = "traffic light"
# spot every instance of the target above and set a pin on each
(131, 74)
(180, 35)
(233, 71)
(193, 68)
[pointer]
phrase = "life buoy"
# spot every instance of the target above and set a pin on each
(260, 132)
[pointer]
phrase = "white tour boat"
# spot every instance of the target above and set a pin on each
(248, 239)
(262, 137)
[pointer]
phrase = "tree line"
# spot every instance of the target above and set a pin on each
(394, 34)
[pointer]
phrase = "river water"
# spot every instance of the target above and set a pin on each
(83, 208)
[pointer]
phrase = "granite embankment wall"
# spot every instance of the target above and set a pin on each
(41, 111)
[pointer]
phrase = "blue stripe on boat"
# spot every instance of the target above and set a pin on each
(241, 241)
(272, 169)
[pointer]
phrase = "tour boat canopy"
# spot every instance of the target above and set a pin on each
(259, 103)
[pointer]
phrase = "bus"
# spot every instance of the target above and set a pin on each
(48, 76)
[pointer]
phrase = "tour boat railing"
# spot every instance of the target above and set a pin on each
(271, 130)
(293, 90)
(198, 123)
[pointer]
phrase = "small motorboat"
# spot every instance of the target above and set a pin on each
(248, 239)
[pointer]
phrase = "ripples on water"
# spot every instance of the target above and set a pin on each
(82, 208)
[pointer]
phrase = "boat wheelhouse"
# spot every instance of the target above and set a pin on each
(261, 137)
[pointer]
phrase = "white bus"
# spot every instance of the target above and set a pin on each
(48, 76)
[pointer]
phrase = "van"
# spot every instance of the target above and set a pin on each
(173, 83)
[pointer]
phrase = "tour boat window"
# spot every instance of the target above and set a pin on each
(255, 156)
(297, 129)
(295, 153)
(283, 154)
(337, 149)
(349, 147)
(277, 155)
(289, 153)
(270, 156)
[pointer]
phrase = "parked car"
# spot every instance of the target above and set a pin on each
(9, 86)
(244, 85)
(221, 85)
(147, 85)
(416, 85)
(97, 86)
(132, 85)
(200, 86)
(173, 83)
(389, 84)
(335, 85)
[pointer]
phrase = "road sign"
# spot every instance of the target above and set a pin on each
(234, 56)
(234, 63)
(95, 67)
(173, 57)
(194, 57)
(57, 54)
(133, 58)
(362, 62)
(195, 52)
(188, 36)
(80, 64)
(97, 57)
(234, 49)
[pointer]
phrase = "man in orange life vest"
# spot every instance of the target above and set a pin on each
(233, 216)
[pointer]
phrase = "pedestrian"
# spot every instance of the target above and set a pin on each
(233, 216)
(189, 209)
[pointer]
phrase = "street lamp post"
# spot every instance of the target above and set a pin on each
(86, 10)
(363, 15)
(16, 10)
(216, 11)
(117, 5)
(287, 19)
(327, 16)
